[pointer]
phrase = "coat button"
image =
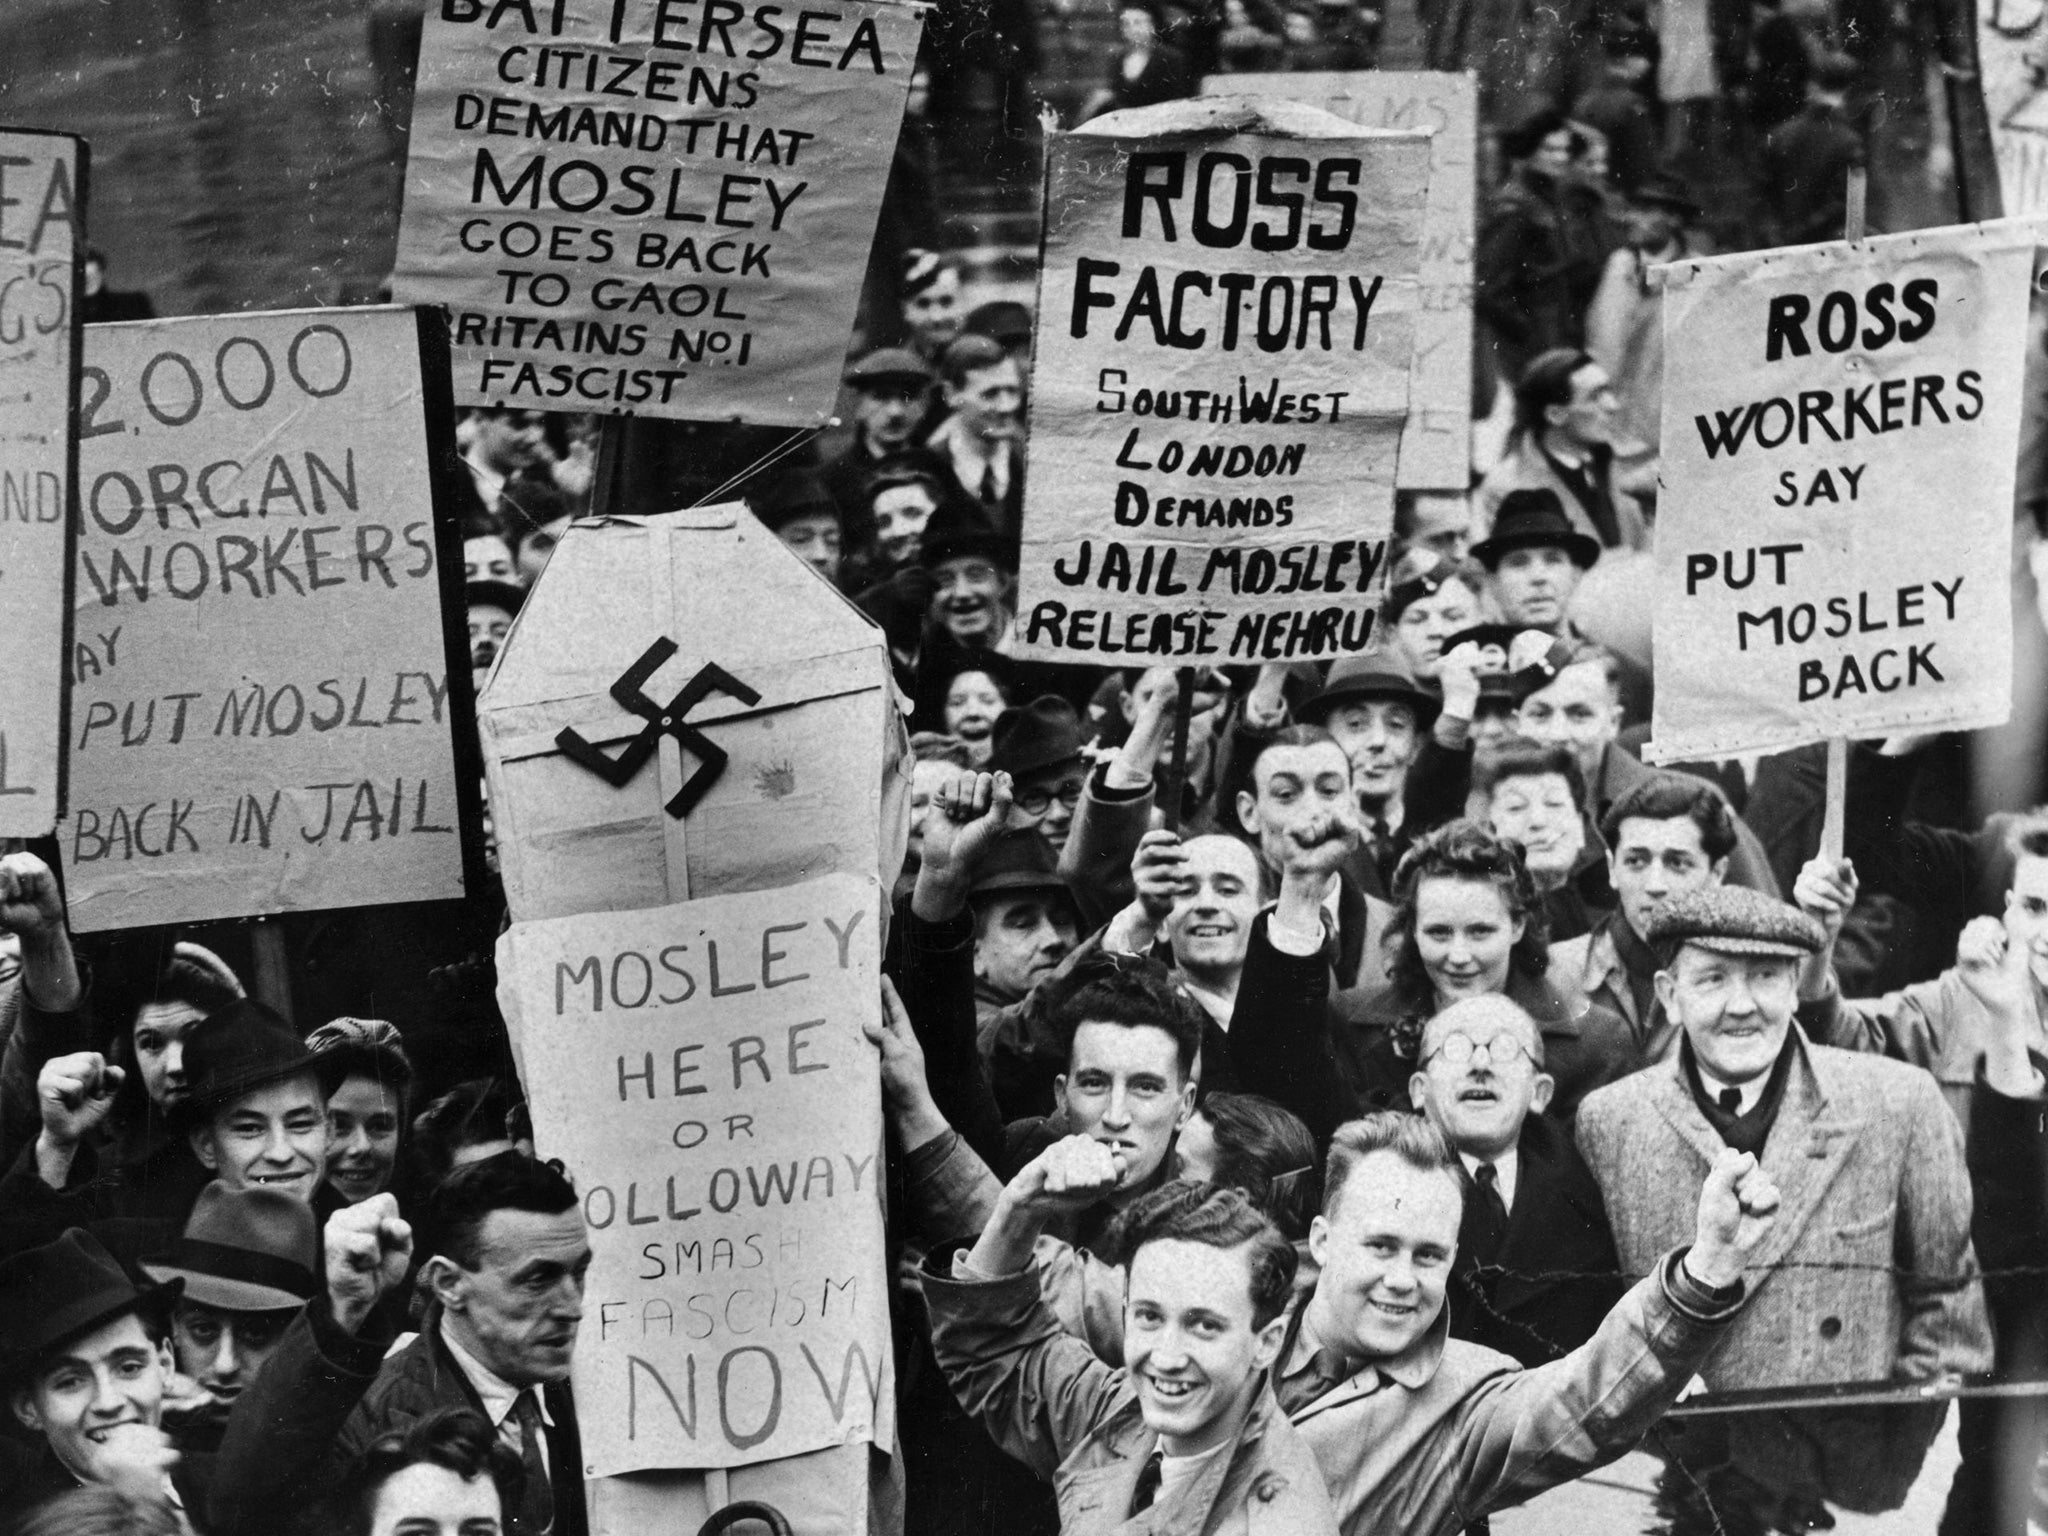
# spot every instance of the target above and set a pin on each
(1830, 1327)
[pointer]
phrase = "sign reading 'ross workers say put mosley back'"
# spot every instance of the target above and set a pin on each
(1226, 320)
(1835, 520)
(651, 206)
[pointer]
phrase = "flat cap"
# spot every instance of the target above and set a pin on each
(890, 365)
(1736, 920)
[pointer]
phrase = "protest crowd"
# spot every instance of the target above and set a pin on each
(1355, 1095)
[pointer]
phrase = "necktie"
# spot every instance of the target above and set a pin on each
(1730, 1100)
(1493, 1211)
(537, 1506)
(988, 484)
(1148, 1483)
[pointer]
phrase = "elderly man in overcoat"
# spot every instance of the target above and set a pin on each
(1869, 1275)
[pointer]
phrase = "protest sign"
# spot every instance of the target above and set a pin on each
(42, 202)
(1226, 317)
(1436, 445)
(701, 1070)
(1835, 521)
(651, 206)
(788, 761)
(2012, 55)
(262, 717)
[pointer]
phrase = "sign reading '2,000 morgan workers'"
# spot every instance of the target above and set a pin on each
(1221, 377)
(651, 206)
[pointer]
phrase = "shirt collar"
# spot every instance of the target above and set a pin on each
(1413, 1368)
(499, 1396)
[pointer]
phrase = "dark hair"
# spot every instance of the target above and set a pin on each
(180, 981)
(1547, 381)
(508, 1181)
(1189, 1212)
(1268, 1153)
(1460, 850)
(460, 1439)
(1411, 1138)
(96, 1509)
(969, 354)
(2027, 838)
(1518, 758)
(1133, 991)
(1292, 736)
(470, 1114)
(1524, 138)
(1668, 796)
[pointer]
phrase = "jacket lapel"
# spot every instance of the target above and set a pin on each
(1809, 1145)
(1674, 1101)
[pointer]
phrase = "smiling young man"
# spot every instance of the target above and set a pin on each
(1669, 835)
(256, 1115)
(1186, 1436)
(88, 1362)
(1421, 1433)
(1199, 895)
(1534, 1240)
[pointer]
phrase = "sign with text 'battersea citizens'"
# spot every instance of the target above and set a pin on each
(703, 1073)
(260, 717)
(652, 206)
(1226, 320)
(41, 224)
(1834, 528)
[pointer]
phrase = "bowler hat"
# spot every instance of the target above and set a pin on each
(244, 1250)
(1046, 733)
(1373, 675)
(1018, 861)
(1530, 517)
(242, 1047)
(890, 365)
(494, 594)
(1736, 920)
(52, 1294)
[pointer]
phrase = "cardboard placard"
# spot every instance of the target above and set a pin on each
(1834, 531)
(262, 719)
(42, 206)
(1226, 320)
(1436, 446)
(2012, 63)
(702, 1072)
(651, 206)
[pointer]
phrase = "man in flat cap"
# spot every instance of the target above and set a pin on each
(1869, 1274)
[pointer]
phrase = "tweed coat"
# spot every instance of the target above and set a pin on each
(1868, 1273)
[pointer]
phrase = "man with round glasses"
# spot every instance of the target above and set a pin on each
(1039, 746)
(1534, 1229)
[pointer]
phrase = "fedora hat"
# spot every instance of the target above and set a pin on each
(958, 541)
(1531, 517)
(1373, 675)
(241, 1047)
(244, 1250)
(52, 1294)
(1019, 861)
(1046, 733)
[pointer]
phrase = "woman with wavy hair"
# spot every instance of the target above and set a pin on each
(1468, 923)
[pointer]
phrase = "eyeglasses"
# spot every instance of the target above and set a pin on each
(1460, 1050)
(1036, 802)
